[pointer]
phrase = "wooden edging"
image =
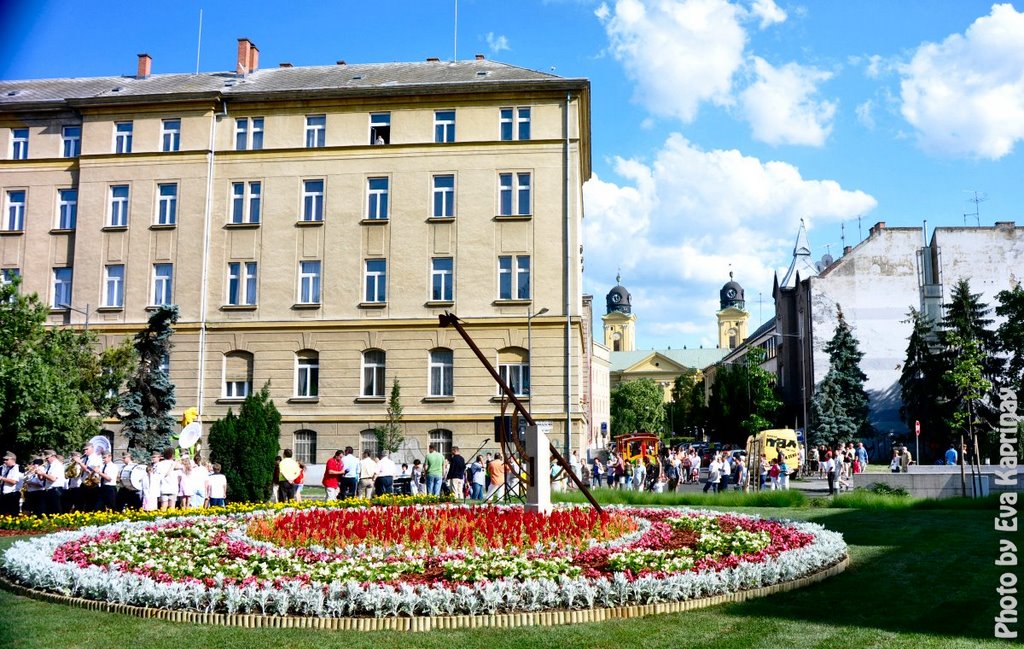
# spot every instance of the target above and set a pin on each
(426, 623)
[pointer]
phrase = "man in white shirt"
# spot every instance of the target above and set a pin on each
(367, 475)
(53, 482)
(10, 486)
(350, 474)
(385, 481)
(217, 488)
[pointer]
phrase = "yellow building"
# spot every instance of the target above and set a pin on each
(312, 223)
(733, 318)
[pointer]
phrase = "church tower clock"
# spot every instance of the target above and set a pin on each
(619, 320)
(732, 315)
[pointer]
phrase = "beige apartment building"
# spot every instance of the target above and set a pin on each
(312, 223)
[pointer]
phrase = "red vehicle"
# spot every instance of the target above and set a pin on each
(638, 446)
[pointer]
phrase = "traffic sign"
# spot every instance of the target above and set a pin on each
(917, 427)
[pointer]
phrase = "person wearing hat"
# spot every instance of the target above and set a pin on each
(54, 482)
(10, 486)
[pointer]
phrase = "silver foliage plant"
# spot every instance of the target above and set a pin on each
(30, 562)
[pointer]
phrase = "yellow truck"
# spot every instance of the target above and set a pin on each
(772, 443)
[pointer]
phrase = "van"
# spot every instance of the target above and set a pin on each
(771, 443)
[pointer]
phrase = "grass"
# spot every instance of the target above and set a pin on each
(919, 577)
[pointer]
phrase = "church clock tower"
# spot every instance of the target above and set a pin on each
(732, 316)
(619, 320)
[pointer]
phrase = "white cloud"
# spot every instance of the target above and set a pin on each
(781, 104)
(497, 43)
(865, 114)
(675, 226)
(769, 12)
(679, 53)
(965, 95)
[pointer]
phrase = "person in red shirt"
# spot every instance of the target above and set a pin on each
(332, 473)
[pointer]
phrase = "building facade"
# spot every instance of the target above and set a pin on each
(312, 223)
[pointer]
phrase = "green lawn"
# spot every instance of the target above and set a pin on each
(919, 578)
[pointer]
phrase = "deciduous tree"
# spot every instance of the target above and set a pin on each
(637, 406)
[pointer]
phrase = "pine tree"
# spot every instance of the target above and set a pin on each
(840, 399)
(1010, 335)
(245, 447)
(967, 317)
(147, 404)
(921, 382)
(391, 435)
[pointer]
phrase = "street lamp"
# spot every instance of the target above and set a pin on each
(86, 312)
(803, 378)
(529, 351)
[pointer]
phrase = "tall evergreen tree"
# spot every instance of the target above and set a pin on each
(921, 381)
(841, 398)
(391, 434)
(245, 447)
(1010, 335)
(968, 318)
(147, 404)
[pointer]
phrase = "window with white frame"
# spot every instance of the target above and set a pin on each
(376, 281)
(71, 138)
(444, 196)
(248, 133)
(514, 277)
(118, 206)
(241, 283)
(170, 135)
(374, 363)
(368, 442)
(14, 211)
(113, 285)
(442, 441)
(7, 275)
(514, 369)
(245, 202)
(515, 123)
(377, 198)
(442, 279)
(67, 208)
(316, 131)
(237, 375)
(123, 137)
(163, 284)
(312, 200)
(442, 373)
(380, 128)
(167, 204)
(309, 282)
(307, 374)
(304, 445)
(19, 144)
(514, 194)
(444, 126)
(62, 279)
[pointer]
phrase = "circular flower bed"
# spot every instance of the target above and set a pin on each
(412, 561)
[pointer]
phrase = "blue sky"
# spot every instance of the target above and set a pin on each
(717, 125)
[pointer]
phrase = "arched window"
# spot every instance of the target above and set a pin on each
(442, 373)
(368, 442)
(514, 368)
(237, 375)
(307, 373)
(733, 338)
(304, 443)
(442, 441)
(374, 362)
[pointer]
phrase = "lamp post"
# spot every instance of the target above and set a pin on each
(803, 379)
(86, 312)
(529, 351)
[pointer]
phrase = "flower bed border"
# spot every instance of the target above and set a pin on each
(427, 623)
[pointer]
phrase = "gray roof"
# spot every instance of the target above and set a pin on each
(695, 358)
(478, 75)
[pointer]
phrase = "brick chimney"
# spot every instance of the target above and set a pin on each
(248, 57)
(254, 58)
(847, 250)
(145, 66)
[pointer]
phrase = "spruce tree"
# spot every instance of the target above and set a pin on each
(1010, 335)
(147, 403)
(245, 447)
(921, 381)
(841, 399)
(391, 435)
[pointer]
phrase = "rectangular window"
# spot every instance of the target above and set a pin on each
(14, 211)
(163, 284)
(242, 283)
(167, 204)
(123, 137)
(312, 200)
(113, 285)
(442, 371)
(517, 377)
(7, 275)
(376, 280)
(377, 191)
(374, 362)
(514, 194)
(71, 137)
(316, 131)
(514, 277)
(236, 389)
(245, 202)
(67, 210)
(515, 124)
(307, 375)
(170, 135)
(248, 133)
(441, 279)
(444, 196)
(19, 144)
(118, 206)
(305, 446)
(62, 287)
(380, 128)
(309, 282)
(444, 126)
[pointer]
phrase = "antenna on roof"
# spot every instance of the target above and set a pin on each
(455, 54)
(842, 234)
(977, 200)
(199, 41)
